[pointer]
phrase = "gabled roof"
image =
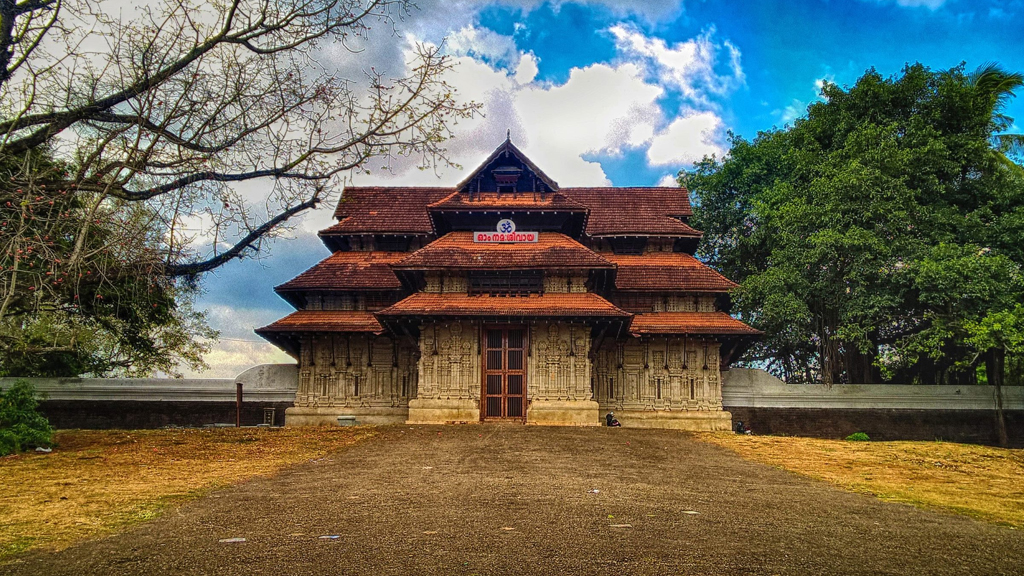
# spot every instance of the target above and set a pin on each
(505, 148)
(349, 271)
(635, 211)
(555, 305)
(692, 323)
(522, 201)
(324, 321)
(385, 210)
(458, 250)
(666, 271)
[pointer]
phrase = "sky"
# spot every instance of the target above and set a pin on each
(618, 93)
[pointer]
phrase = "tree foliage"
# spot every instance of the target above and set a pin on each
(111, 312)
(875, 237)
(21, 424)
(146, 143)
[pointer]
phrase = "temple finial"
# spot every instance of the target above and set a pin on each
(508, 134)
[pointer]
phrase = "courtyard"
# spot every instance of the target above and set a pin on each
(509, 499)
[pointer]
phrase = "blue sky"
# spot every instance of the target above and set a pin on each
(612, 92)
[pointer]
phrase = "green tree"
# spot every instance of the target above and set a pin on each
(867, 236)
(21, 424)
(998, 335)
(107, 314)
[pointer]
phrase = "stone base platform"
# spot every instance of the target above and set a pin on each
(682, 420)
(564, 413)
(328, 415)
(435, 411)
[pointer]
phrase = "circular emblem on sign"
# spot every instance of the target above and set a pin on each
(506, 226)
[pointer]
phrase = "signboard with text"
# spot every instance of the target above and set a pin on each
(506, 233)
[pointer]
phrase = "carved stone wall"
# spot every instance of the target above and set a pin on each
(356, 370)
(449, 364)
(658, 374)
(559, 366)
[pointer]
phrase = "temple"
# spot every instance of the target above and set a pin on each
(510, 298)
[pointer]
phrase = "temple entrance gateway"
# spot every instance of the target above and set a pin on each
(504, 373)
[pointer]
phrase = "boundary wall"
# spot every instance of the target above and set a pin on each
(157, 402)
(882, 411)
(763, 402)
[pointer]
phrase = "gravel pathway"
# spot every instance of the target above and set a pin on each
(505, 499)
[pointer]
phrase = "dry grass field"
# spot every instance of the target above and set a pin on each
(979, 481)
(98, 481)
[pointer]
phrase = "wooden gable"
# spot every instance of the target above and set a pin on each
(507, 169)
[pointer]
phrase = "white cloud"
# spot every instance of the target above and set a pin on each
(527, 69)
(687, 140)
(794, 110)
(483, 43)
(669, 181)
(600, 109)
(583, 116)
(930, 4)
(692, 67)
(238, 348)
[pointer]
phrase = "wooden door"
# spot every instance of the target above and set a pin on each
(504, 385)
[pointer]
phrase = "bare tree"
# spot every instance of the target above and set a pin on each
(215, 119)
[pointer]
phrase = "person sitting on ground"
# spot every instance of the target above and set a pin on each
(611, 421)
(741, 428)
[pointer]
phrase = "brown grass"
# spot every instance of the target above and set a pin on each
(978, 481)
(99, 481)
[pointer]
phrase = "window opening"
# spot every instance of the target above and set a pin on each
(510, 283)
(392, 243)
(629, 246)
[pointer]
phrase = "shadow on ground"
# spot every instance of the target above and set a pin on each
(500, 499)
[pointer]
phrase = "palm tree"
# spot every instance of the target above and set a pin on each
(998, 86)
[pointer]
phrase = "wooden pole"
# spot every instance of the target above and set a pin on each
(238, 404)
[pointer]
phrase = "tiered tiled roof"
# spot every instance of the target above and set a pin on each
(667, 272)
(697, 323)
(523, 201)
(536, 305)
(325, 321)
(385, 210)
(458, 250)
(349, 271)
(635, 211)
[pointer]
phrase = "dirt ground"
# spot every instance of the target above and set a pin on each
(497, 499)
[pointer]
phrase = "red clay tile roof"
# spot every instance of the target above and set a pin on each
(349, 271)
(635, 211)
(525, 201)
(667, 271)
(699, 323)
(385, 210)
(325, 321)
(458, 250)
(550, 305)
(612, 211)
